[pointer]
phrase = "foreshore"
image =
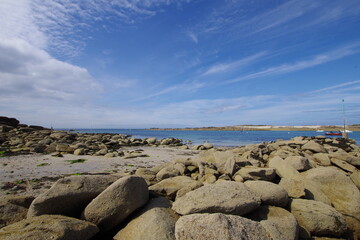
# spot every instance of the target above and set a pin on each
(32, 174)
(111, 185)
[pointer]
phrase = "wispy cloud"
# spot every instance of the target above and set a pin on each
(231, 22)
(316, 60)
(192, 36)
(56, 25)
(283, 109)
(125, 83)
(338, 86)
(280, 15)
(225, 67)
(184, 87)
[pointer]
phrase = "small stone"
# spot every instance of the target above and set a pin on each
(208, 145)
(79, 151)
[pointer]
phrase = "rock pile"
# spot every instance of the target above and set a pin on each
(303, 188)
(20, 138)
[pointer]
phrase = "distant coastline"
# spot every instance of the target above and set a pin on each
(355, 127)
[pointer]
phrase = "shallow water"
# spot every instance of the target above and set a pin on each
(217, 138)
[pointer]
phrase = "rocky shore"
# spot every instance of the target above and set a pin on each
(18, 138)
(303, 188)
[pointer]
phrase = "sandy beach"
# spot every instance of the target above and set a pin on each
(31, 174)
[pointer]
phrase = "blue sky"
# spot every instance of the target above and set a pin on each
(164, 63)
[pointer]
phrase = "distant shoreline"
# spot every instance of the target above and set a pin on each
(264, 128)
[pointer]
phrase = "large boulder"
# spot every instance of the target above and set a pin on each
(298, 162)
(70, 195)
(337, 187)
(314, 147)
(318, 218)
(223, 197)
(13, 122)
(283, 168)
(47, 227)
(355, 177)
(223, 160)
(269, 193)
(343, 165)
(322, 159)
(256, 173)
(58, 135)
(170, 186)
(344, 156)
(13, 209)
(63, 147)
(156, 221)
(279, 223)
(294, 188)
(151, 140)
(218, 226)
(117, 202)
(146, 173)
(167, 172)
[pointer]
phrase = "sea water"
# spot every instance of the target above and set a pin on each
(217, 138)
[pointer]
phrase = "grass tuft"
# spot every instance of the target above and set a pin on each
(42, 164)
(81, 160)
(76, 174)
(20, 182)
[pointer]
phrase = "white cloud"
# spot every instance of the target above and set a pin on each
(17, 21)
(27, 72)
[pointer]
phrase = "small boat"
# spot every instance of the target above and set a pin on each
(319, 130)
(334, 133)
(347, 131)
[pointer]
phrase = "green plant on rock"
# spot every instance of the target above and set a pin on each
(20, 181)
(81, 160)
(42, 164)
(57, 155)
(76, 174)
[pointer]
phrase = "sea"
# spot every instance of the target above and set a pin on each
(217, 138)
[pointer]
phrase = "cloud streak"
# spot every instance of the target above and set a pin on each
(316, 60)
(226, 67)
(346, 84)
